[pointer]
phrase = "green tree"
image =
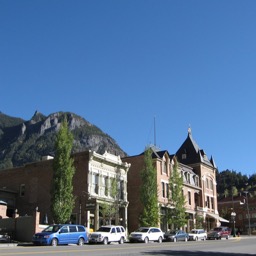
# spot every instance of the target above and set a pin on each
(110, 210)
(226, 193)
(199, 221)
(63, 171)
(234, 191)
(149, 192)
(177, 214)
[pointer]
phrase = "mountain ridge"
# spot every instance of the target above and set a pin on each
(28, 141)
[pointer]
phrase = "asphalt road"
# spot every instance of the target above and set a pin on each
(231, 247)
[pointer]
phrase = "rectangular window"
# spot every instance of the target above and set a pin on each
(163, 189)
(184, 156)
(212, 204)
(72, 229)
(167, 190)
(113, 188)
(208, 202)
(211, 184)
(95, 183)
(105, 185)
(22, 190)
(189, 197)
(121, 190)
(164, 167)
(207, 183)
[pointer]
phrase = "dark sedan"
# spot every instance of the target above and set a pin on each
(176, 235)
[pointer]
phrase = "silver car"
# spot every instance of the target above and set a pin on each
(197, 234)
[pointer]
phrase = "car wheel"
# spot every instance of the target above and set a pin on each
(80, 241)
(54, 242)
(174, 239)
(121, 241)
(160, 239)
(146, 240)
(186, 239)
(105, 240)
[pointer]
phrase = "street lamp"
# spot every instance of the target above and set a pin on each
(233, 218)
(248, 213)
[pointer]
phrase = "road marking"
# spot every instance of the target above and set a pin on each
(104, 248)
(87, 249)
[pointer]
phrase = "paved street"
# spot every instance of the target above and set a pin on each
(235, 246)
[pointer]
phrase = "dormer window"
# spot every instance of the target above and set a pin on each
(184, 154)
(164, 166)
(22, 190)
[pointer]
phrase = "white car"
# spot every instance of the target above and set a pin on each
(197, 234)
(146, 234)
(108, 234)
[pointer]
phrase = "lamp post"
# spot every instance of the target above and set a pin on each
(233, 218)
(248, 213)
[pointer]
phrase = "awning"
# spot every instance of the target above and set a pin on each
(223, 220)
(2, 202)
(217, 217)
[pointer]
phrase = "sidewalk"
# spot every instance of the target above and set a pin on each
(13, 244)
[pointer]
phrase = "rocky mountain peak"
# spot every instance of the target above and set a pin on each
(28, 141)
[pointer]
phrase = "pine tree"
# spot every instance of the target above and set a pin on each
(149, 192)
(177, 213)
(63, 172)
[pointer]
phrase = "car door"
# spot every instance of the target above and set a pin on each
(64, 235)
(181, 236)
(156, 234)
(118, 233)
(73, 235)
(113, 235)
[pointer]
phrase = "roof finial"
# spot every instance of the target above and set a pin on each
(189, 130)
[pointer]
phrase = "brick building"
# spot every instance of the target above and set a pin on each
(28, 188)
(163, 163)
(206, 203)
(244, 207)
(199, 185)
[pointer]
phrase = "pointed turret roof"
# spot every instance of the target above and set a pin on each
(190, 153)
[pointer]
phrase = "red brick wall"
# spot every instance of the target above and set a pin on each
(133, 189)
(37, 178)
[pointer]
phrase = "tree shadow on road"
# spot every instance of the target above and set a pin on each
(193, 253)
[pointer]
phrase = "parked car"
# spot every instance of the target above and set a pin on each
(176, 235)
(197, 234)
(61, 234)
(146, 234)
(108, 234)
(218, 233)
(4, 236)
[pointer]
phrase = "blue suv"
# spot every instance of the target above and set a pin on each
(61, 234)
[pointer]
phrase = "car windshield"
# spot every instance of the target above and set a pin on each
(143, 230)
(52, 228)
(104, 229)
(193, 232)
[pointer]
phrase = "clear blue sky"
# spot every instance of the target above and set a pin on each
(120, 63)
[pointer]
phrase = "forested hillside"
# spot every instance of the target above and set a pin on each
(232, 182)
